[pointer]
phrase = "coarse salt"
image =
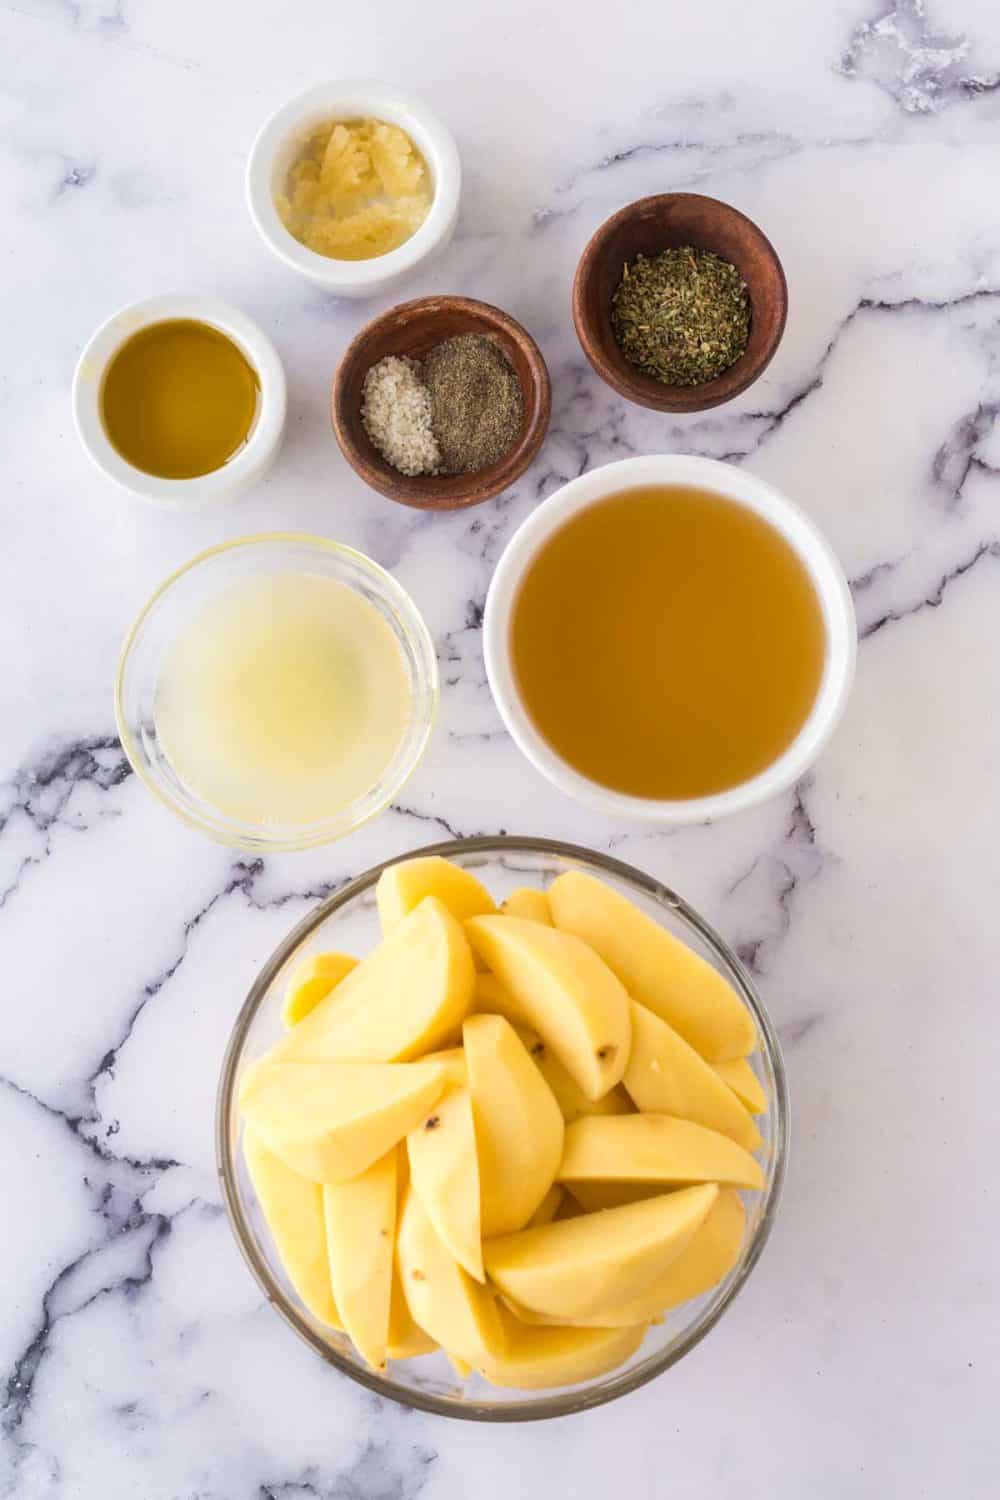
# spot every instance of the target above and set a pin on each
(396, 413)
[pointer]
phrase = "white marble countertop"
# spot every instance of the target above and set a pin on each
(139, 1360)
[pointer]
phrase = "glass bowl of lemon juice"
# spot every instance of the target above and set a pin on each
(277, 691)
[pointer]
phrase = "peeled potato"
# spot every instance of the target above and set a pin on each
(360, 1236)
(403, 886)
(709, 1256)
(407, 1340)
(407, 997)
(331, 1121)
(738, 1075)
(666, 1076)
(530, 904)
(657, 969)
(449, 1304)
(444, 1172)
(566, 993)
(519, 1129)
(540, 1358)
(653, 1150)
(311, 981)
(576, 1268)
(293, 1209)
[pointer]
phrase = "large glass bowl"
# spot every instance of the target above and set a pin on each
(348, 920)
(180, 599)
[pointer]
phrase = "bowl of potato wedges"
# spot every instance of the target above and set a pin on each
(502, 1128)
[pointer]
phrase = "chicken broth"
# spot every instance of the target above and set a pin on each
(668, 643)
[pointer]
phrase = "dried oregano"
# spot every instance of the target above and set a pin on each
(682, 316)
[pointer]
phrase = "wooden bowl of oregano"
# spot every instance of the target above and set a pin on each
(441, 403)
(679, 302)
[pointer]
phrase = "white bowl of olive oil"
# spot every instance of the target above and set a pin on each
(180, 400)
(669, 638)
(354, 184)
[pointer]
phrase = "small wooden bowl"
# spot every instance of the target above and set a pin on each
(660, 223)
(413, 328)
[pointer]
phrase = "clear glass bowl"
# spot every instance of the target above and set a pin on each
(348, 920)
(170, 610)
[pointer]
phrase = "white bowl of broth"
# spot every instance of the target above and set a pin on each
(669, 638)
(180, 400)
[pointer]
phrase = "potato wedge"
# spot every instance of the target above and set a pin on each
(331, 1121)
(444, 1171)
(539, 1358)
(360, 1236)
(518, 1126)
(293, 1209)
(666, 1076)
(409, 996)
(658, 970)
(407, 1340)
(653, 1150)
(567, 994)
(403, 886)
(311, 981)
(710, 1255)
(738, 1075)
(449, 1304)
(530, 904)
(575, 1268)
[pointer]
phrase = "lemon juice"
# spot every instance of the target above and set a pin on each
(284, 699)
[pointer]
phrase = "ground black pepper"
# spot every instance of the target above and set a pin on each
(476, 402)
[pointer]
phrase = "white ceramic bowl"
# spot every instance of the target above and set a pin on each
(247, 466)
(736, 484)
(274, 151)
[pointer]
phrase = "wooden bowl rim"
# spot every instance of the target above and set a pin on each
(444, 492)
(643, 389)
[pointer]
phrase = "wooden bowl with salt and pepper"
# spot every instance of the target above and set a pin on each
(646, 228)
(412, 330)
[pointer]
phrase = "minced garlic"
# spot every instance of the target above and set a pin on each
(356, 190)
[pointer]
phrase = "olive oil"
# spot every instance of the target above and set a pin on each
(284, 699)
(668, 643)
(179, 399)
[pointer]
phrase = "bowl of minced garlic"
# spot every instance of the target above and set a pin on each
(354, 184)
(441, 403)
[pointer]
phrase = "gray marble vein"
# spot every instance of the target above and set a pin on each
(934, 600)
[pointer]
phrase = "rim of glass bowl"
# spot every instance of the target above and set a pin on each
(422, 672)
(542, 1406)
